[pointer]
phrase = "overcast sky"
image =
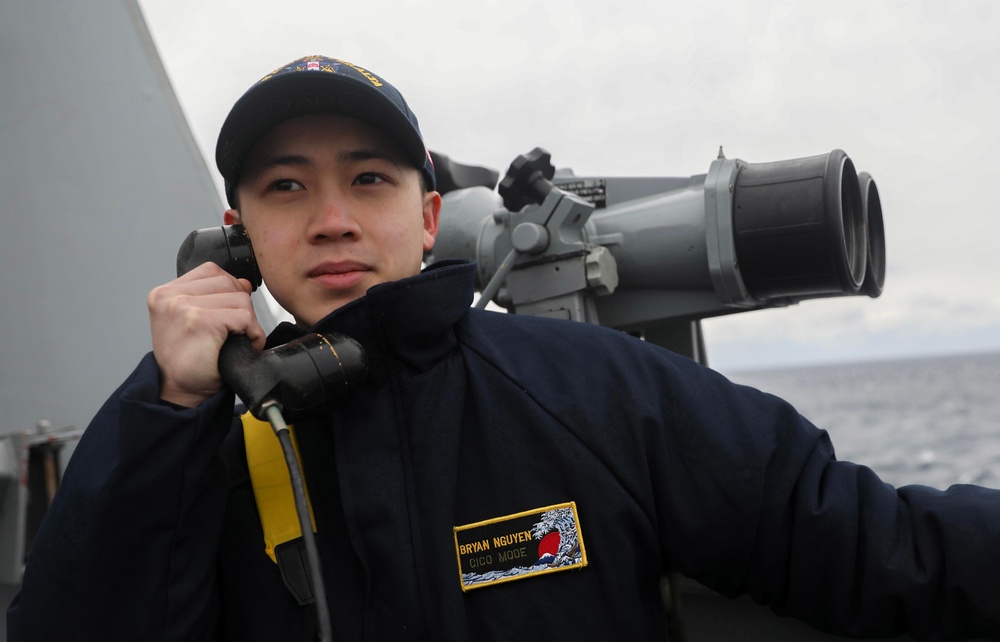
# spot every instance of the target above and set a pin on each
(910, 90)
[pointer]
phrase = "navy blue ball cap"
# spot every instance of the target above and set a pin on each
(317, 85)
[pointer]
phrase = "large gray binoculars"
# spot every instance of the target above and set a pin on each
(633, 252)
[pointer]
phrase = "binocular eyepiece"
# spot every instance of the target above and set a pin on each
(804, 228)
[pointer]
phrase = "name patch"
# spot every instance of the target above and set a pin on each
(513, 547)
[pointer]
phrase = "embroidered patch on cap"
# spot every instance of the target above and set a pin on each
(535, 542)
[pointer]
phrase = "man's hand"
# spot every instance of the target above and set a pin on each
(190, 318)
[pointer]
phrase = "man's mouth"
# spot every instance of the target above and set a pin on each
(339, 274)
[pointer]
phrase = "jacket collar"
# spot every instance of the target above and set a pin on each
(411, 319)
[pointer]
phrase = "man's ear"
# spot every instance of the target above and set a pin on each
(232, 217)
(432, 213)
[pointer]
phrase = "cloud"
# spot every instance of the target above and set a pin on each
(649, 88)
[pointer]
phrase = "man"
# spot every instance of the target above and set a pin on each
(496, 477)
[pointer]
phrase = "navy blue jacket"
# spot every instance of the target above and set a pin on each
(470, 416)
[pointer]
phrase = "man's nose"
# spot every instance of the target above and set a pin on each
(334, 219)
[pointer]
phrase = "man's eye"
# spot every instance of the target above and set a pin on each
(286, 185)
(368, 178)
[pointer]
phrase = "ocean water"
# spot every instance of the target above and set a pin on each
(932, 421)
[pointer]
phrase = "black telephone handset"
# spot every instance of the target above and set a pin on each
(282, 383)
(302, 375)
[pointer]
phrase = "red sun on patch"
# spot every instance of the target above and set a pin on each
(549, 545)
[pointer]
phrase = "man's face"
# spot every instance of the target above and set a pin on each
(332, 208)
